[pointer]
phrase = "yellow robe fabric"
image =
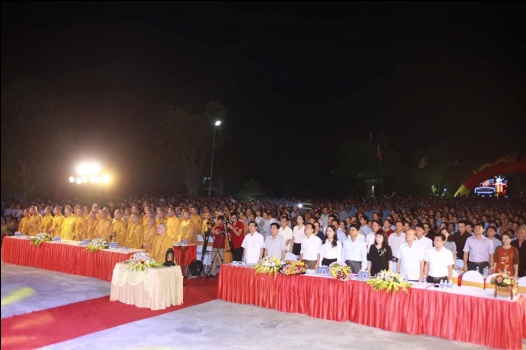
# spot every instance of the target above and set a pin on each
(58, 220)
(46, 224)
(198, 222)
(119, 227)
(33, 224)
(149, 234)
(22, 226)
(172, 227)
(134, 236)
(103, 231)
(160, 245)
(92, 228)
(81, 228)
(188, 231)
(68, 227)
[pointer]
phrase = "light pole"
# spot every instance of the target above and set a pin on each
(217, 123)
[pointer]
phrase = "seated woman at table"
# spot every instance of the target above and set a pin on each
(331, 249)
(161, 244)
(506, 257)
(380, 256)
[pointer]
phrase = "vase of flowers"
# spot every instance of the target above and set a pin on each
(340, 270)
(97, 244)
(268, 265)
(141, 261)
(389, 281)
(504, 285)
(39, 238)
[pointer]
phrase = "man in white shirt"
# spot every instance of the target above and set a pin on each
(286, 232)
(439, 261)
(310, 247)
(479, 250)
(395, 240)
(424, 242)
(411, 258)
(354, 250)
(275, 244)
(253, 244)
(364, 228)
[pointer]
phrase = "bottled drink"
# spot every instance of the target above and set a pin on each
(478, 269)
(441, 284)
(485, 273)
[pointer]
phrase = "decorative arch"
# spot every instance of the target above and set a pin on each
(489, 172)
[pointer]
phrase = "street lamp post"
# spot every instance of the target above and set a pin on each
(217, 123)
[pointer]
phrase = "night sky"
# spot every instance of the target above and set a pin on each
(298, 78)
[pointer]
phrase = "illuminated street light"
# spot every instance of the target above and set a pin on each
(217, 123)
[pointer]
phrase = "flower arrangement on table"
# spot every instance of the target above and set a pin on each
(503, 280)
(141, 261)
(97, 244)
(268, 265)
(389, 281)
(340, 270)
(39, 238)
(292, 267)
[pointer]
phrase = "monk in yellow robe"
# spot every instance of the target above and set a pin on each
(161, 244)
(68, 226)
(187, 229)
(47, 221)
(81, 226)
(149, 234)
(35, 219)
(103, 230)
(92, 225)
(172, 224)
(118, 229)
(134, 233)
(23, 225)
(58, 220)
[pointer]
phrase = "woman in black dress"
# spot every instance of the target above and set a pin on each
(380, 256)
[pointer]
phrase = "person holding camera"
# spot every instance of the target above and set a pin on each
(218, 247)
(236, 232)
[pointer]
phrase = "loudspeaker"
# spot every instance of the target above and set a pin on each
(196, 268)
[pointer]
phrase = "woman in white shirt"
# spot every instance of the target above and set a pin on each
(331, 250)
(298, 232)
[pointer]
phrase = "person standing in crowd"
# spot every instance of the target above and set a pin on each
(371, 237)
(355, 250)
(172, 224)
(253, 244)
(317, 230)
(438, 262)
(478, 251)
(460, 239)
(34, 222)
(47, 221)
(395, 240)
(298, 233)
(275, 243)
(520, 244)
(285, 232)
(491, 232)
(411, 258)
(24, 221)
(507, 257)
(310, 248)
(118, 228)
(134, 233)
(68, 227)
(104, 227)
(331, 249)
(161, 244)
(218, 247)
(187, 229)
(421, 237)
(449, 244)
(236, 231)
(364, 228)
(380, 256)
(387, 227)
(81, 225)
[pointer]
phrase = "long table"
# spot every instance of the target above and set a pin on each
(466, 314)
(155, 288)
(63, 256)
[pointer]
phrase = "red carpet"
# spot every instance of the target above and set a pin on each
(46, 327)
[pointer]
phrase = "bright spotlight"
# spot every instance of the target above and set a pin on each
(88, 169)
(300, 205)
(106, 179)
(71, 179)
(217, 123)
(78, 180)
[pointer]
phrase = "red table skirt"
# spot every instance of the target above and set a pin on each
(184, 255)
(495, 323)
(65, 258)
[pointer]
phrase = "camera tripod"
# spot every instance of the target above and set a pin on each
(215, 253)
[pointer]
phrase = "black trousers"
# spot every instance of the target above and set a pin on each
(473, 266)
(431, 279)
(237, 254)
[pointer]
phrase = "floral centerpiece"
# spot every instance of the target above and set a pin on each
(292, 267)
(39, 238)
(97, 244)
(503, 280)
(340, 270)
(268, 265)
(389, 281)
(141, 261)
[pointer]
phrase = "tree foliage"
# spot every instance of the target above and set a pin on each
(185, 140)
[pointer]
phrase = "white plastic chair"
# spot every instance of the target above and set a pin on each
(473, 278)
(521, 282)
(290, 256)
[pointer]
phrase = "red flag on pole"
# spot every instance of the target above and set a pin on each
(379, 153)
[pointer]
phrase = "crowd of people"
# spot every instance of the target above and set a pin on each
(422, 238)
